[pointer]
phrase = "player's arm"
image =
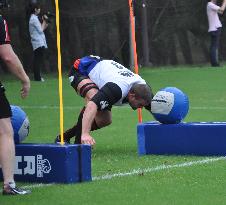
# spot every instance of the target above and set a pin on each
(107, 96)
(15, 67)
(87, 120)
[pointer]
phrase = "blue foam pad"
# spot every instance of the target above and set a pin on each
(50, 163)
(195, 138)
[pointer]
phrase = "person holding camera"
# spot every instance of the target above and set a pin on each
(38, 39)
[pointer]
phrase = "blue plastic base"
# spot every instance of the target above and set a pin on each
(50, 163)
(193, 138)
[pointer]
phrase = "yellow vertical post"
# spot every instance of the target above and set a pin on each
(59, 73)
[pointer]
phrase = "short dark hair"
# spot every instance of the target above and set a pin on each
(142, 91)
(34, 6)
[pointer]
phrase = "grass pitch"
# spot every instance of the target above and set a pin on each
(115, 152)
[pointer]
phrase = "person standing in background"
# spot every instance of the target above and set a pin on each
(7, 146)
(38, 39)
(214, 29)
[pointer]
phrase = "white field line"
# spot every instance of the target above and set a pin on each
(158, 168)
(78, 107)
(141, 171)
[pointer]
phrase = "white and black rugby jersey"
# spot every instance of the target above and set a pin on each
(110, 71)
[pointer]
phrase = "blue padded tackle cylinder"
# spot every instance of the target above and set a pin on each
(51, 163)
(194, 138)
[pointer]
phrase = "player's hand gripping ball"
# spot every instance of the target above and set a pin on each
(20, 123)
(170, 105)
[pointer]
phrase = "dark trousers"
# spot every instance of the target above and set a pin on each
(38, 62)
(214, 45)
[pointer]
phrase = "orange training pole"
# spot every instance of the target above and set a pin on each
(132, 24)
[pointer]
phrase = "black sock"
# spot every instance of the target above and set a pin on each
(68, 134)
(76, 129)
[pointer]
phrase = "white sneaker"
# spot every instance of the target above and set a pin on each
(13, 190)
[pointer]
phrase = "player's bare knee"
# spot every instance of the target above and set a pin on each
(103, 122)
(108, 122)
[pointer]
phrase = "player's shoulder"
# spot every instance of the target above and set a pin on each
(33, 18)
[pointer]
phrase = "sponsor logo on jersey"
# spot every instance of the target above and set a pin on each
(71, 78)
(103, 104)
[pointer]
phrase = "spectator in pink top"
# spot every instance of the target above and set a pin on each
(214, 29)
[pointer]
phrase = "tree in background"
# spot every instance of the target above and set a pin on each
(177, 31)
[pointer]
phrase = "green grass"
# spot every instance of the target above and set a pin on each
(116, 148)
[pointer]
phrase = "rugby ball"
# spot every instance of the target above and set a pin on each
(170, 105)
(20, 124)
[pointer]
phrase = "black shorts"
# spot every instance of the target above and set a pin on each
(107, 96)
(75, 78)
(5, 110)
